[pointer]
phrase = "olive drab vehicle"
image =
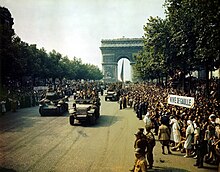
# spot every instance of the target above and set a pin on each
(53, 104)
(85, 110)
(112, 95)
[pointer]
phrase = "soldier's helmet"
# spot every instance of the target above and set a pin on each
(140, 134)
(141, 129)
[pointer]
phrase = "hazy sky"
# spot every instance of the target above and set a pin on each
(76, 27)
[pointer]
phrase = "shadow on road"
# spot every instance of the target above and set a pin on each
(6, 170)
(170, 169)
(14, 122)
(24, 118)
(167, 169)
(106, 121)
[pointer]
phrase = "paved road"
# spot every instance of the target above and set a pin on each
(29, 142)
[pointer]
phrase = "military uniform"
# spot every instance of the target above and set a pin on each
(141, 141)
(140, 146)
(140, 165)
(164, 137)
(150, 146)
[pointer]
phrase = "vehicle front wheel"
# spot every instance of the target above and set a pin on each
(71, 118)
(41, 111)
(92, 120)
(59, 110)
(66, 107)
(97, 114)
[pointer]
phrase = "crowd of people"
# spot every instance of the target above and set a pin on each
(19, 98)
(29, 96)
(194, 131)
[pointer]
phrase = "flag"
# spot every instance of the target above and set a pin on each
(122, 71)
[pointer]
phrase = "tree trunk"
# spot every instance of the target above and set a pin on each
(218, 84)
(166, 80)
(33, 81)
(218, 90)
(158, 80)
(190, 79)
(207, 80)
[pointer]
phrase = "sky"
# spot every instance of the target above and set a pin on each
(75, 28)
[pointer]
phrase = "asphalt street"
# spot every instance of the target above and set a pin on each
(29, 142)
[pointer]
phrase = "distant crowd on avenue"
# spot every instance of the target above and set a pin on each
(193, 131)
(23, 97)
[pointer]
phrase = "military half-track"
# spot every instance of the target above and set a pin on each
(84, 110)
(111, 95)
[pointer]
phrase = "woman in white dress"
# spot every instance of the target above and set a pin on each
(176, 130)
(189, 138)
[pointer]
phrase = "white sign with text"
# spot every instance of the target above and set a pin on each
(181, 101)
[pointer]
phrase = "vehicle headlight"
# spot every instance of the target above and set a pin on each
(72, 111)
(88, 109)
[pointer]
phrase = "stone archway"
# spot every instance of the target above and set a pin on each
(115, 49)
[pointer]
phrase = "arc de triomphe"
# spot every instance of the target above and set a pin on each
(115, 49)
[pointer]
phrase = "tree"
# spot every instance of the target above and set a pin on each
(183, 42)
(18, 59)
(195, 34)
(6, 35)
(151, 62)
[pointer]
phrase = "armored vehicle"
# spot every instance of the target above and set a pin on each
(85, 110)
(53, 104)
(112, 96)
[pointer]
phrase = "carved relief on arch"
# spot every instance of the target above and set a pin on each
(108, 71)
(108, 58)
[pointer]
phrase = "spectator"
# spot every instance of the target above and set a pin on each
(141, 163)
(150, 145)
(164, 137)
(176, 131)
(189, 138)
(200, 145)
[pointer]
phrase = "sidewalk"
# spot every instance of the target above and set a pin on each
(176, 162)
